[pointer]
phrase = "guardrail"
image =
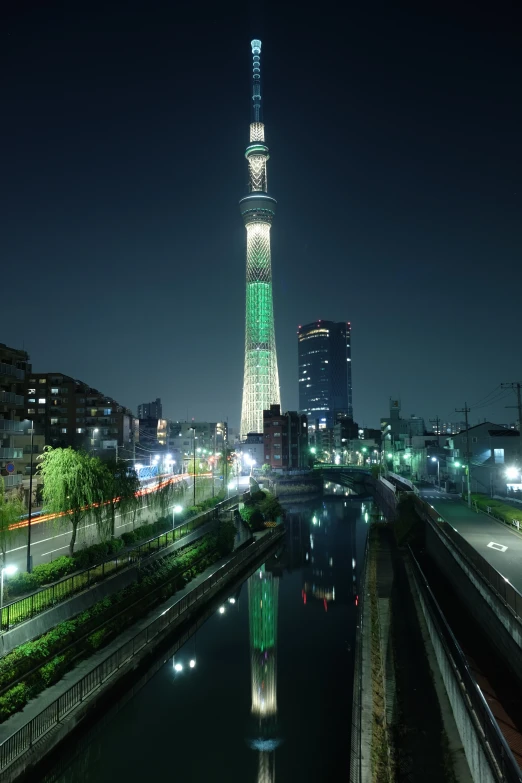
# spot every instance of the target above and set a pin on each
(504, 589)
(29, 606)
(33, 731)
(487, 729)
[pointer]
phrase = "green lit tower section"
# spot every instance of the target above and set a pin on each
(263, 590)
(261, 378)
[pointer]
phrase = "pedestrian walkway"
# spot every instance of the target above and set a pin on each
(495, 541)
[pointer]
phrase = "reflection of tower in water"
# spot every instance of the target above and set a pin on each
(262, 607)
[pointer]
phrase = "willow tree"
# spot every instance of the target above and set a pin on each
(121, 486)
(11, 509)
(73, 486)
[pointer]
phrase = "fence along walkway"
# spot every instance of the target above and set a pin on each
(27, 607)
(33, 731)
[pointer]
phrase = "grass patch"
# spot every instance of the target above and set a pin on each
(502, 511)
(380, 736)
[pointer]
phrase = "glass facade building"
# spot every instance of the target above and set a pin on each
(325, 372)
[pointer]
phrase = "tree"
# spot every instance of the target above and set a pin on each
(74, 484)
(266, 469)
(120, 489)
(11, 509)
(271, 508)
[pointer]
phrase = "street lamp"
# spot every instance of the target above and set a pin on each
(434, 459)
(175, 510)
(512, 473)
(194, 461)
(8, 571)
(30, 504)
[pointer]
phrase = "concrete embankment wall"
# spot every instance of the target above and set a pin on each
(500, 624)
(481, 765)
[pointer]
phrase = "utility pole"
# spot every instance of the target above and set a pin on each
(465, 410)
(30, 509)
(436, 421)
(516, 386)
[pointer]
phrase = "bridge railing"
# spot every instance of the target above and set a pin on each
(487, 731)
(502, 586)
(34, 730)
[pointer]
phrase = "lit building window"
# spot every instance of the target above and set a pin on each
(41, 400)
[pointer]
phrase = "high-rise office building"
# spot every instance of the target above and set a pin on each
(150, 410)
(261, 380)
(325, 372)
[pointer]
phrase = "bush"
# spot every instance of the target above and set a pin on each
(13, 700)
(128, 538)
(257, 520)
(95, 639)
(53, 671)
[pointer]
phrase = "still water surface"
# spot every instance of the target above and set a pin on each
(269, 693)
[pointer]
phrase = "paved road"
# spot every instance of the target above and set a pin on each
(481, 531)
(50, 540)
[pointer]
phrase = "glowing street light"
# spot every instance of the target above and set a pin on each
(512, 473)
(221, 610)
(8, 571)
(434, 459)
(178, 667)
(175, 510)
(192, 663)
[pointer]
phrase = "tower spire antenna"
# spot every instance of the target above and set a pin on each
(261, 377)
(257, 115)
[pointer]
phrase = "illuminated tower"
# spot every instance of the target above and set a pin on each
(261, 379)
(263, 590)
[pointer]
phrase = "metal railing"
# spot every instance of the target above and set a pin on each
(13, 480)
(8, 453)
(504, 589)
(23, 739)
(489, 733)
(10, 398)
(13, 372)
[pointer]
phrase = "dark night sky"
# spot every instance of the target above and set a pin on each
(395, 135)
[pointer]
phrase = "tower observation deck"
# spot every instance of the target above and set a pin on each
(261, 378)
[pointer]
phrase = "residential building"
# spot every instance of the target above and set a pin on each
(395, 429)
(286, 439)
(183, 436)
(325, 372)
(494, 449)
(150, 410)
(151, 438)
(448, 427)
(14, 364)
(69, 412)
(252, 451)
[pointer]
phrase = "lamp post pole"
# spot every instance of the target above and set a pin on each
(194, 462)
(30, 507)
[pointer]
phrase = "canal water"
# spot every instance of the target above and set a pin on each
(264, 688)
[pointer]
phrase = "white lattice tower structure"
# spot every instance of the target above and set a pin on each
(261, 378)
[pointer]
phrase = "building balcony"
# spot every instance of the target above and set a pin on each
(6, 425)
(10, 398)
(12, 481)
(8, 453)
(11, 372)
